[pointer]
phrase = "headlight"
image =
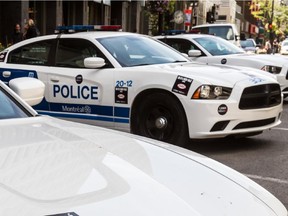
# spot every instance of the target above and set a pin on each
(272, 69)
(212, 92)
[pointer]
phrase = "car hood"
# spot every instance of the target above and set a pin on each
(265, 59)
(52, 167)
(225, 75)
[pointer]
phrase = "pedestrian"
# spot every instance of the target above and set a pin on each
(31, 29)
(275, 46)
(268, 47)
(17, 35)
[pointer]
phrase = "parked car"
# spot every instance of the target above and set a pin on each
(210, 49)
(249, 45)
(55, 167)
(284, 47)
(135, 83)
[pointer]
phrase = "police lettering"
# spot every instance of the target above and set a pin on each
(77, 92)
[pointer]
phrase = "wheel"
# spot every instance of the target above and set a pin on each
(160, 116)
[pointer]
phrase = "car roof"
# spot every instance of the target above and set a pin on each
(98, 34)
(89, 34)
(94, 34)
(186, 36)
(214, 24)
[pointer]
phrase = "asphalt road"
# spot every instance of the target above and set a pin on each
(263, 158)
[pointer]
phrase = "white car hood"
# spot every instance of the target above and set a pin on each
(264, 59)
(225, 75)
(50, 166)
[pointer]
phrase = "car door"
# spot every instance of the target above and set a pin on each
(30, 60)
(78, 93)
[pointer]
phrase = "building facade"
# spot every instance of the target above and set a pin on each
(49, 14)
(129, 14)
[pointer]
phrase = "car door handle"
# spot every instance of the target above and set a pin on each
(54, 79)
(6, 74)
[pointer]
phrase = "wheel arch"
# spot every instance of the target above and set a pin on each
(141, 96)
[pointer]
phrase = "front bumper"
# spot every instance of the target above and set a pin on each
(221, 118)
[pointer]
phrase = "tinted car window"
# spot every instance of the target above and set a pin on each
(9, 108)
(181, 45)
(72, 52)
(32, 54)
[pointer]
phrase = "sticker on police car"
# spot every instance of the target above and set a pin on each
(121, 95)
(2, 56)
(182, 85)
(79, 79)
(256, 80)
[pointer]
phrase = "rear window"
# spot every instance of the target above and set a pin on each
(225, 32)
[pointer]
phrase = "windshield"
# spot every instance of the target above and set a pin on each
(247, 43)
(218, 46)
(225, 32)
(135, 50)
(9, 108)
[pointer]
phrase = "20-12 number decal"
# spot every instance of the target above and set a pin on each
(122, 83)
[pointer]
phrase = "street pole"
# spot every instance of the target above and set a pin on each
(271, 21)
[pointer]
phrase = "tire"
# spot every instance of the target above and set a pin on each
(160, 116)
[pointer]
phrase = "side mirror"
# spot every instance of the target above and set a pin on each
(194, 53)
(94, 62)
(31, 90)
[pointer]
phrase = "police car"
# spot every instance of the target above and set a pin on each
(211, 49)
(60, 168)
(135, 83)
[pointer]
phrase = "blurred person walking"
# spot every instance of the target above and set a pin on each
(17, 35)
(31, 29)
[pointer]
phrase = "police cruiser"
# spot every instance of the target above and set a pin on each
(135, 83)
(211, 49)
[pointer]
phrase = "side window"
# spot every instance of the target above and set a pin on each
(181, 45)
(202, 30)
(71, 52)
(31, 54)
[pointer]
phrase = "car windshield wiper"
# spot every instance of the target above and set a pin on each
(140, 64)
(177, 61)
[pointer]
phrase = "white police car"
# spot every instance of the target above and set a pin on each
(135, 83)
(59, 168)
(210, 49)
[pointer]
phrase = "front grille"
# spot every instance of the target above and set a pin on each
(258, 123)
(261, 96)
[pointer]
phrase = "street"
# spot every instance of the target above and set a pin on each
(263, 158)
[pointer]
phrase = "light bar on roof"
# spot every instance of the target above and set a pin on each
(81, 28)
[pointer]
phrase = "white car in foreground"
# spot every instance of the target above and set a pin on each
(211, 49)
(54, 167)
(135, 83)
